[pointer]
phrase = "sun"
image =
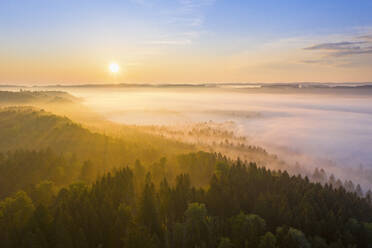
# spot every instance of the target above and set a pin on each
(114, 68)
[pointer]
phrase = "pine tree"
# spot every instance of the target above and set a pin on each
(148, 212)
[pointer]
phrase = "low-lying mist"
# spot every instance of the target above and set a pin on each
(330, 131)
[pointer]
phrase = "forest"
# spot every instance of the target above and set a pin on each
(65, 183)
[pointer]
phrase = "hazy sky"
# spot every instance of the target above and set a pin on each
(181, 41)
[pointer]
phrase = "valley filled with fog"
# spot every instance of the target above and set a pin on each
(295, 155)
(312, 128)
(315, 128)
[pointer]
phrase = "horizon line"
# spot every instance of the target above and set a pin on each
(355, 83)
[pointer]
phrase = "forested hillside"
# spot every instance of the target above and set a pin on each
(38, 145)
(33, 97)
(64, 185)
(243, 206)
(33, 129)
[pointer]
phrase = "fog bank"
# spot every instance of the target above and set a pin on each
(317, 129)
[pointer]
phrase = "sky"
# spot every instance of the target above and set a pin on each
(185, 41)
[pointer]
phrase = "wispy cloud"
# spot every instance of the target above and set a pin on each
(142, 2)
(344, 45)
(182, 22)
(173, 39)
(366, 37)
(190, 5)
(367, 50)
(196, 21)
(311, 61)
(169, 42)
(361, 45)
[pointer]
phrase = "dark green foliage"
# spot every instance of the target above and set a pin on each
(267, 241)
(200, 166)
(19, 170)
(196, 225)
(43, 193)
(246, 230)
(148, 213)
(112, 213)
(225, 243)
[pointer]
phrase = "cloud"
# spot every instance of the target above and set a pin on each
(169, 42)
(182, 21)
(142, 2)
(187, 21)
(367, 50)
(361, 45)
(344, 45)
(312, 61)
(174, 39)
(366, 37)
(190, 5)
